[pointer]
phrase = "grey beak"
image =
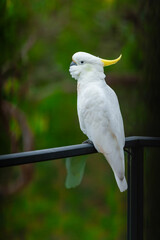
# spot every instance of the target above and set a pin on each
(72, 64)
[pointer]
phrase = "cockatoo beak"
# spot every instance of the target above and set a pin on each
(110, 62)
(73, 63)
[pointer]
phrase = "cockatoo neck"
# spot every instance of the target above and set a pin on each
(91, 75)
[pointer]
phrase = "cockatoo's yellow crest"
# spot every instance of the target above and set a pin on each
(110, 62)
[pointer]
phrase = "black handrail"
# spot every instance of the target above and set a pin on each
(135, 148)
(46, 154)
(68, 151)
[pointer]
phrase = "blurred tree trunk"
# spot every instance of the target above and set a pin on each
(152, 65)
(151, 43)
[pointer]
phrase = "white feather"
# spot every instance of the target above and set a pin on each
(99, 113)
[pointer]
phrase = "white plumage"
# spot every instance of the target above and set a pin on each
(98, 111)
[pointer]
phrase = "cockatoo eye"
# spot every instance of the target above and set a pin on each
(82, 62)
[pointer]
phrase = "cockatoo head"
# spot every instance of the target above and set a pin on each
(83, 63)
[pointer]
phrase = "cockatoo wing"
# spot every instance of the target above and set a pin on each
(100, 116)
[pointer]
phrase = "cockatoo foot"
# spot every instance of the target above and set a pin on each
(88, 141)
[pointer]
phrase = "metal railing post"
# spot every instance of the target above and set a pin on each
(135, 193)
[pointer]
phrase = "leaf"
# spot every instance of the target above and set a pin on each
(75, 170)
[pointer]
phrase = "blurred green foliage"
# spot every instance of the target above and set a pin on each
(37, 41)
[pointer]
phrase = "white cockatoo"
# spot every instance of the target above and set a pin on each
(99, 112)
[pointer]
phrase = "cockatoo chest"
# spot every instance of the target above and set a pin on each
(91, 107)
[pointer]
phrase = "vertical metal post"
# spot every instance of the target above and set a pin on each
(135, 194)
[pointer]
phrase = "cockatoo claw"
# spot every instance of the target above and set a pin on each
(88, 141)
